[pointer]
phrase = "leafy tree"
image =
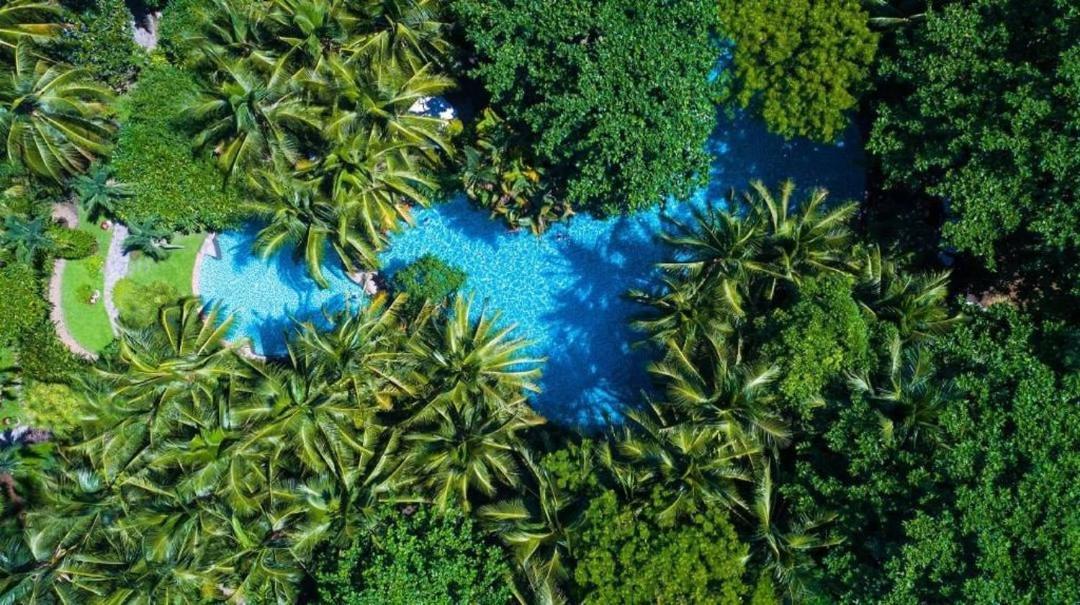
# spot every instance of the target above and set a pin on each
(625, 554)
(801, 64)
(984, 118)
(52, 119)
(153, 157)
(428, 279)
(100, 40)
(614, 96)
(417, 556)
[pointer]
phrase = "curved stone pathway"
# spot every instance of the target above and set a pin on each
(209, 248)
(117, 263)
(66, 213)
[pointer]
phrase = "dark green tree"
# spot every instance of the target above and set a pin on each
(615, 95)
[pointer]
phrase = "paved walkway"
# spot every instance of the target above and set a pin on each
(66, 213)
(117, 263)
(209, 248)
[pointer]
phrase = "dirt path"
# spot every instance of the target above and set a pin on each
(68, 215)
(117, 263)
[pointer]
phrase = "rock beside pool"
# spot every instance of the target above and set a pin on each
(368, 280)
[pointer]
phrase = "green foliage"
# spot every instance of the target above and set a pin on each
(85, 292)
(986, 119)
(819, 339)
(139, 303)
(496, 176)
(72, 243)
(428, 279)
(614, 95)
(22, 305)
(100, 41)
(625, 556)
(56, 407)
(801, 64)
(179, 20)
(153, 157)
(41, 356)
(417, 557)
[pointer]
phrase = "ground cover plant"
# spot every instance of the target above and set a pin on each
(834, 415)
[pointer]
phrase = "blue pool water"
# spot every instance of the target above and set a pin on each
(565, 290)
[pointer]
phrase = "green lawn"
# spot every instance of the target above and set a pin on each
(88, 324)
(175, 270)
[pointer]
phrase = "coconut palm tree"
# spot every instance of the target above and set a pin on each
(915, 303)
(31, 20)
(52, 119)
(365, 352)
(373, 182)
(468, 448)
(312, 28)
(909, 397)
(300, 218)
(149, 238)
(402, 33)
(715, 392)
(696, 463)
(99, 192)
(787, 545)
(28, 237)
(475, 363)
(250, 118)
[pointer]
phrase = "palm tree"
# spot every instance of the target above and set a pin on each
(28, 237)
(714, 392)
(30, 20)
(403, 34)
(299, 217)
(696, 463)
(365, 352)
(787, 545)
(51, 118)
(99, 192)
(915, 303)
(476, 363)
(250, 118)
(150, 239)
(312, 28)
(468, 447)
(909, 398)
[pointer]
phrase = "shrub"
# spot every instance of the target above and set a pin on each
(52, 406)
(43, 357)
(72, 244)
(419, 558)
(100, 41)
(179, 18)
(626, 555)
(21, 305)
(94, 265)
(428, 278)
(139, 303)
(85, 293)
(153, 156)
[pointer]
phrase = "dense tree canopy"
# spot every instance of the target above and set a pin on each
(985, 118)
(801, 64)
(614, 95)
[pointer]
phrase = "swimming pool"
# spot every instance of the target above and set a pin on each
(563, 290)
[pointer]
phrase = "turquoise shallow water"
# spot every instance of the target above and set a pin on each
(565, 290)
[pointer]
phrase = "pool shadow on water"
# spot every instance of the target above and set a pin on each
(744, 150)
(594, 374)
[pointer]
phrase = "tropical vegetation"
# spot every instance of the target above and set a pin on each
(850, 401)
